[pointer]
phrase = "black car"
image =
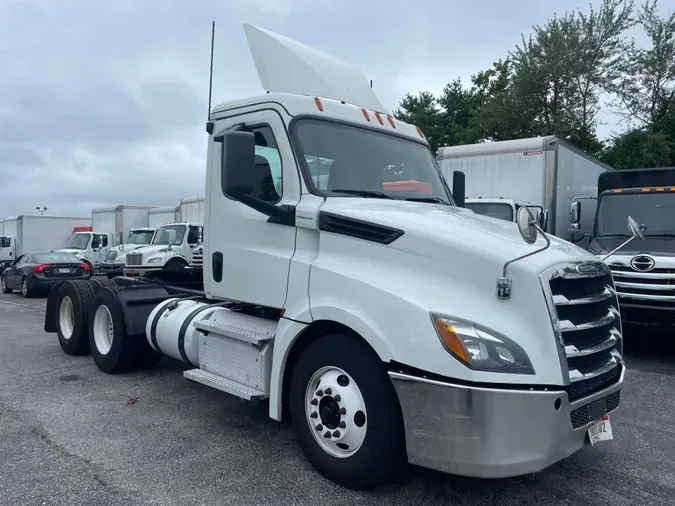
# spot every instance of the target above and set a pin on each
(38, 272)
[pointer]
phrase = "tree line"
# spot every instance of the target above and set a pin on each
(560, 79)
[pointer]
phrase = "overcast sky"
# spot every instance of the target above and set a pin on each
(104, 102)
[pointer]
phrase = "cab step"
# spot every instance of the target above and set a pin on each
(240, 326)
(224, 384)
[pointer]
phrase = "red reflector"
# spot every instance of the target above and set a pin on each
(84, 267)
(40, 268)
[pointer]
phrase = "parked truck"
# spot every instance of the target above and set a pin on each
(110, 225)
(162, 215)
(393, 326)
(138, 237)
(644, 273)
(540, 171)
(22, 234)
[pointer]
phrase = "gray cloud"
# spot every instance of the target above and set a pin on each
(104, 103)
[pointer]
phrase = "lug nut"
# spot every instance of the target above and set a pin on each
(342, 425)
(336, 433)
(343, 411)
(319, 393)
(314, 402)
(313, 415)
(328, 391)
(319, 427)
(327, 434)
(337, 398)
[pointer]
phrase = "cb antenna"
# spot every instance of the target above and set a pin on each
(213, 38)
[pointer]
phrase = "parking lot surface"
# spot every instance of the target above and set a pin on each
(71, 435)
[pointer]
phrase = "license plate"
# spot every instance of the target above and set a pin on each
(601, 430)
(131, 272)
(64, 271)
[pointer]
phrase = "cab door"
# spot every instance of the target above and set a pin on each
(247, 257)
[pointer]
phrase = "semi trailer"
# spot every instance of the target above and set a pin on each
(548, 172)
(390, 326)
(162, 215)
(644, 273)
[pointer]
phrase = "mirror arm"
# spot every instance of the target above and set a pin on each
(617, 249)
(548, 243)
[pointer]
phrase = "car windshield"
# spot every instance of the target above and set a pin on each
(492, 209)
(140, 236)
(56, 257)
(78, 241)
(654, 210)
(346, 160)
(170, 234)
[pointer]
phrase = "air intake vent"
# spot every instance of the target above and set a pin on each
(358, 229)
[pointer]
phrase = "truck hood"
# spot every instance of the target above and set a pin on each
(435, 230)
(657, 246)
(153, 250)
(76, 252)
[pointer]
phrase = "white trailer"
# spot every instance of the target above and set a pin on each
(22, 234)
(162, 215)
(192, 210)
(541, 171)
(481, 367)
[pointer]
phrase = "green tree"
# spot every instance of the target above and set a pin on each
(422, 110)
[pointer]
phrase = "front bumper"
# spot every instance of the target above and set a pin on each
(137, 271)
(648, 314)
(112, 268)
(492, 433)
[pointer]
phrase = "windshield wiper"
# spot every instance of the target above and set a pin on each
(366, 193)
(665, 234)
(436, 200)
(614, 235)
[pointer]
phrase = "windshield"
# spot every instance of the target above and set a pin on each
(353, 160)
(5, 242)
(492, 209)
(170, 234)
(140, 236)
(56, 257)
(78, 241)
(655, 210)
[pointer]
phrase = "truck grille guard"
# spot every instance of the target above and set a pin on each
(584, 310)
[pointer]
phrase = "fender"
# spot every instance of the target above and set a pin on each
(289, 331)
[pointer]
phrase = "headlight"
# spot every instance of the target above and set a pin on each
(155, 260)
(481, 349)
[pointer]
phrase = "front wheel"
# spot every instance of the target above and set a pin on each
(346, 413)
(3, 286)
(25, 290)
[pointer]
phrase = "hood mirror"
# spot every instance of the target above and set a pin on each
(527, 225)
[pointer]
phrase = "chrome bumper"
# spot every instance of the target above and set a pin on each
(487, 432)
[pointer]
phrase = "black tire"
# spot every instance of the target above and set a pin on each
(3, 285)
(175, 264)
(121, 355)
(102, 282)
(26, 292)
(80, 294)
(382, 454)
(111, 276)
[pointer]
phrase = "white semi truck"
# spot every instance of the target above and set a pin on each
(547, 172)
(110, 225)
(392, 326)
(162, 215)
(22, 234)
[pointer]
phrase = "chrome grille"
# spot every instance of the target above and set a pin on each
(585, 313)
(644, 279)
(198, 258)
(134, 259)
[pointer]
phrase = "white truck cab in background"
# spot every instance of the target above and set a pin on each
(505, 209)
(393, 324)
(114, 262)
(173, 247)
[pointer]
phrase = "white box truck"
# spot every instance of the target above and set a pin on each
(162, 215)
(23, 234)
(540, 171)
(392, 329)
(192, 210)
(110, 227)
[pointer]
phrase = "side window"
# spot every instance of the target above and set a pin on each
(104, 241)
(5, 242)
(23, 259)
(193, 235)
(267, 166)
(96, 242)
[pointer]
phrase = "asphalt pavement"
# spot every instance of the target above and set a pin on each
(71, 435)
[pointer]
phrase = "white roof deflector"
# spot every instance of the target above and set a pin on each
(285, 65)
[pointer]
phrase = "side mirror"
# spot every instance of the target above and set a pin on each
(637, 231)
(575, 235)
(459, 187)
(527, 225)
(238, 162)
(575, 213)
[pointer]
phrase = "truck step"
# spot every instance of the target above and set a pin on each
(223, 384)
(240, 326)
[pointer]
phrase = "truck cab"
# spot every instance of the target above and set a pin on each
(90, 246)
(138, 238)
(644, 272)
(172, 247)
(7, 251)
